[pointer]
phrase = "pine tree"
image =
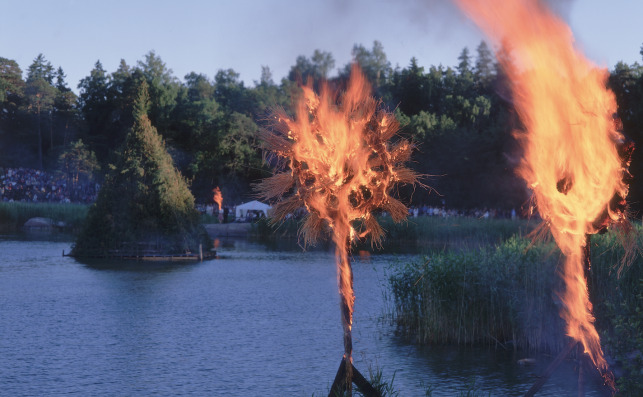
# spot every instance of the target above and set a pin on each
(144, 203)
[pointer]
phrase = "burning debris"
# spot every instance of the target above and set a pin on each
(340, 166)
(575, 158)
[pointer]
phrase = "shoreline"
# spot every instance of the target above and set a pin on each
(234, 229)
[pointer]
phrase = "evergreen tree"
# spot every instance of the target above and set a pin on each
(144, 202)
(41, 69)
(15, 135)
(65, 113)
(94, 107)
(410, 89)
(40, 94)
(484, 66)
(163, 88)
(464, 66)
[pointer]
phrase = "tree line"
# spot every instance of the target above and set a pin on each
(461, 119)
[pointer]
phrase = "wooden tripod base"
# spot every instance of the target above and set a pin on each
(339, 384)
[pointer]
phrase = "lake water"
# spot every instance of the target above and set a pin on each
(253, 322)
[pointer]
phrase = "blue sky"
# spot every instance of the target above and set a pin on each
(206, 36)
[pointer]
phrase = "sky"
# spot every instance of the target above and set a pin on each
(205, 36)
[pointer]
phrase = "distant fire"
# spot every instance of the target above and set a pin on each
(571, 159)
(218, 198)
(340, 167)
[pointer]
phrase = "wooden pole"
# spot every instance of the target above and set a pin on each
(347, 318)
(568, 349)
(340, 380)
(339, 385)
(581, 378)
(362, 384)
(580, 351)
(587, 263)
(347, 374)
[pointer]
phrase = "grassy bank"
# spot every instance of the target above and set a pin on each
(14, 215)
(424, 233)
(506, 296)
(454, 233)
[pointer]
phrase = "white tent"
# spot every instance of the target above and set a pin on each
(251, 207)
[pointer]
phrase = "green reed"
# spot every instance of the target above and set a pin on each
(15, 214)
(425, 233)
(494, 296)
(507, 295)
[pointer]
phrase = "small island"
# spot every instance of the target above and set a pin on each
(144, 209)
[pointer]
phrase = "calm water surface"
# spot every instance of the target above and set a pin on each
(252, 323)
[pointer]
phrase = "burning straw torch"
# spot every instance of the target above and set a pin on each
(575, 158)
(336, 162)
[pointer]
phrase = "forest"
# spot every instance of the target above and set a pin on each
(461, 120)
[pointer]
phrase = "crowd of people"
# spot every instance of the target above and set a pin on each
(483, 213)
(30, 185)
(413, 212)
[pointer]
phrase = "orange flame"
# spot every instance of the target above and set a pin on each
(571, 159)
(218, 198)
(340, 167)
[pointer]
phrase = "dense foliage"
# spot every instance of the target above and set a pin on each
(461, 119)
(145, 203)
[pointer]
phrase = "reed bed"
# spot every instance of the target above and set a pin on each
(498, 296)
(14, 214)
(507, 296)
(617, 294)
(422, 233)
(453, 233)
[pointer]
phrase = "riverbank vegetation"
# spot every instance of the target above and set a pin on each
(424, 233)
(13, 215)
(505, 296)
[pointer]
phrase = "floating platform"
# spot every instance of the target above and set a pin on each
(151, 257)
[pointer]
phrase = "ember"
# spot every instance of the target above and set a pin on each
(571, 145)
(340, 167)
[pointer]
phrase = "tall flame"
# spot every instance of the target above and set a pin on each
(340, 167)
(218, 198)
(571, 159)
